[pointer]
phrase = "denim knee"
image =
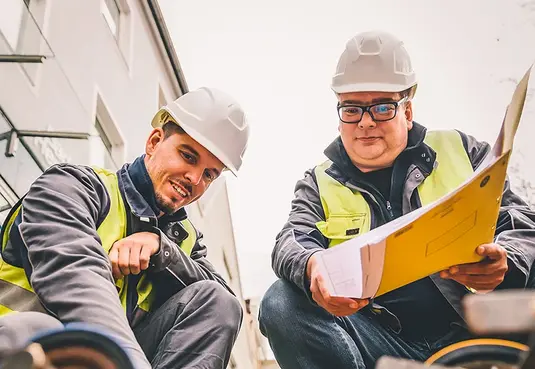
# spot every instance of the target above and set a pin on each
(279, 306)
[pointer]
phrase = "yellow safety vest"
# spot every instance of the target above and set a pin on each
(16, 293)
(347, 210)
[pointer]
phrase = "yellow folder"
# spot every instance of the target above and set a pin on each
(448, 234)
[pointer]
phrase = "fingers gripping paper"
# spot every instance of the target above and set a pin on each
(432, 238)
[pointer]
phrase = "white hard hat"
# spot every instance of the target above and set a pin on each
(374, 61)
(213, 119)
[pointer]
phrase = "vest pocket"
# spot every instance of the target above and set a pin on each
(342, 227)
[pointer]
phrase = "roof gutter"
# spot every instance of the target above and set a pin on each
(167, 44)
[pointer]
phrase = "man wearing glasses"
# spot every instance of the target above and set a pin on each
(382, 166)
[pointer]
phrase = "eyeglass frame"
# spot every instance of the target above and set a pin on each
(366, 108)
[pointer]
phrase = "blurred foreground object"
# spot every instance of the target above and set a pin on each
(500, 312)
(74, 348)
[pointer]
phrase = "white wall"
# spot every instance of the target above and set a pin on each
(211, 215)
(88, 61)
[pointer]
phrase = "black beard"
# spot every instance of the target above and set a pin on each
(164, 206)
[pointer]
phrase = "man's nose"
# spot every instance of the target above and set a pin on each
(194, 176)
(367, 122)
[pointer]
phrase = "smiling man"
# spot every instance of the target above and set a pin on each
(382, 165)
(117, 251)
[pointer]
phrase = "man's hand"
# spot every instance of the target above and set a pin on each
(131, 254)
(485, 275)
(339, 306)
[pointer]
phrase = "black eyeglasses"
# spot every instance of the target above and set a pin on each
(380, 112)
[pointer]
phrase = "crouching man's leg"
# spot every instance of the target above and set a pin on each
(195, 328)
(303, 335)
(18, 328)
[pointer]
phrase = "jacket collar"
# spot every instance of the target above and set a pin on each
(138, 192)
(416, 153)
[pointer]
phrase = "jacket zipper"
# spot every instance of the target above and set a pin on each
(389, 216)
(389, 208)
(385, 217)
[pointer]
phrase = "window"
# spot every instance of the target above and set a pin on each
(101, 147)
(106, 145)
(117, 15)
(112, 14)
(20, 27)
(11, 20)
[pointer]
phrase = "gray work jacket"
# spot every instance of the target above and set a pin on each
(299, 239)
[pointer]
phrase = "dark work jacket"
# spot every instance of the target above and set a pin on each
(299, 238)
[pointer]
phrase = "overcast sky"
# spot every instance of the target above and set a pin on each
(277, 58)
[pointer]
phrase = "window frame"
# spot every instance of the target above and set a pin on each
(113, 23)
(108, 132)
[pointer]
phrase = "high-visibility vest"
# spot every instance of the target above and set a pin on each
(16, 293)
(347, 214)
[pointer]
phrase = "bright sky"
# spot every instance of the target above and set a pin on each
(277, 58)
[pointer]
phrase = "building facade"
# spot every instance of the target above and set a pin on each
(81, 80)
(264, 356)
(106, 67)
(211, 214)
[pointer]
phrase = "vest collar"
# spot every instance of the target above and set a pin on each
(138, 198)
(416, 153)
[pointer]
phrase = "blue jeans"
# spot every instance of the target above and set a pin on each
(304, 335)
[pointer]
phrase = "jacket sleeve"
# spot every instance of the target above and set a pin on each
(66, 264)
(299, 238)
(515, 228)
(172, 266)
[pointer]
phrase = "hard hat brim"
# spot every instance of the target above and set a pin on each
(193, 133)
(371, 87)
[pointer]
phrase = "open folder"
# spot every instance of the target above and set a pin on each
(432, 238)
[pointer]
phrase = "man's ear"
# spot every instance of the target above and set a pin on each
(408, 114)
(156, 137)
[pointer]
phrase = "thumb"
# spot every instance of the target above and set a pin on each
(492, 251)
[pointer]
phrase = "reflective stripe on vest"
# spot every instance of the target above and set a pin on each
(347, 214)
(16, 294)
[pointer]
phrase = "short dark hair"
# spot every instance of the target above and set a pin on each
(170, 128)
